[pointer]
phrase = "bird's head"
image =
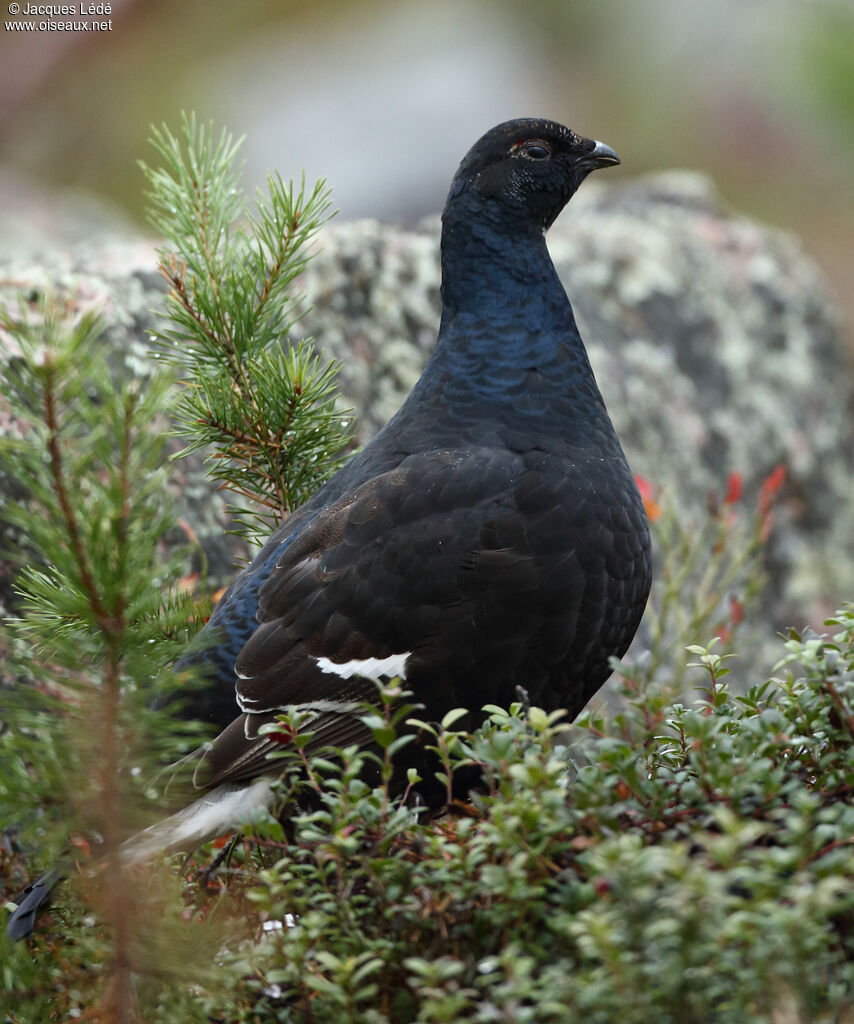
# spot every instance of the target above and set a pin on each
(525, 171)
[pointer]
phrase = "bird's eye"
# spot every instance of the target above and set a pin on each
(535, 150)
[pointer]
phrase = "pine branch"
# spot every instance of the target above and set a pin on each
(100, 613)
(262, 407)
(95, 509)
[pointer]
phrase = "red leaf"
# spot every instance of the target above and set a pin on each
(644, 486)
(602, 886)
(81, 843)
(647, 492)
(733, 489)
(284, 735)
(723, 633)
(771, 488)
(767, 496)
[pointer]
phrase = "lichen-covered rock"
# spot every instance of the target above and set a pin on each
(713, 338)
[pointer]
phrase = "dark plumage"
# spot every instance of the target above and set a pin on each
(490, 535)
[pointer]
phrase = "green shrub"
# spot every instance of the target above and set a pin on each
(703, 873)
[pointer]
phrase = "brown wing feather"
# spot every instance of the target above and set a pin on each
(236, 757)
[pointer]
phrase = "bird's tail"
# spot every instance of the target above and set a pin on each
(22, 920)
(225, 807)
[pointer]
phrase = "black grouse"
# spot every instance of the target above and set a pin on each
(490, 535)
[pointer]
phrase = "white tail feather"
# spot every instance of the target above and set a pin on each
(224, 807)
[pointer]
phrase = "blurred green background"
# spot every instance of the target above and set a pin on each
(383, 98)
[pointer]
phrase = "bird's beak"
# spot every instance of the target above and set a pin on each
(600, 156)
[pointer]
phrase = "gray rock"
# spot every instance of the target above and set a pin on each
(714, 341)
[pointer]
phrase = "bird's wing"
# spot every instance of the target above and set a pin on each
(398, 576)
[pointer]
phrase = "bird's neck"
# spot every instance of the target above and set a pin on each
(494, 270)
(503, 304)
(509, 355)
(509, 367)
